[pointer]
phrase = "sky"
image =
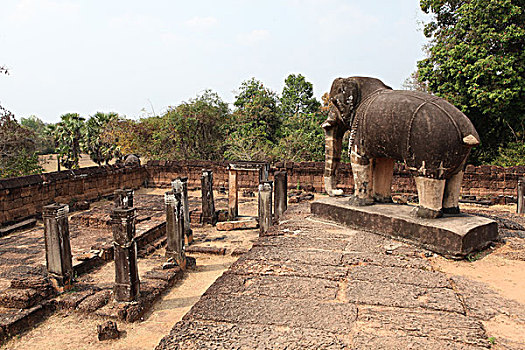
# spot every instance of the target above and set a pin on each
(140, 57)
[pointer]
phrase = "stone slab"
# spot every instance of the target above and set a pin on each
(18, 226)
(304, 313)
(212, 335)
(451, 235)
(247, 224)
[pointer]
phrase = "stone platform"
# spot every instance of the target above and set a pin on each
(452, 235)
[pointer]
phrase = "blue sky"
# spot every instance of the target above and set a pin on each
(126, 56)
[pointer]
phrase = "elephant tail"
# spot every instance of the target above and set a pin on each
(471, 140)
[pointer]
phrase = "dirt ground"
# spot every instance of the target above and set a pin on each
(500, 270)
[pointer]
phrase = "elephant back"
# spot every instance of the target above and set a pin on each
(424, 131)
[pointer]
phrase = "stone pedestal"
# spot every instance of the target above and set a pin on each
(124, 198)
(521, 196)
(127, 284)
(175, 227)
(208, 204)
(280, 193)
(265, 206)
(182, 182)
(233, 195)
(452, 235)
(58, 249)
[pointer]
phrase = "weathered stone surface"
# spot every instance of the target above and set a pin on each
(16, 321)
(72, 299)
(425, 279)
(390, 260)
(305, 256)
(246, 224)
(107, 330)
(275, 311)
(167, 275)
(484, 303)
(435, 325)
(402, 295)
(286, 268)
(210, 335)
(300, 241)
(386, 341)
(95, 301)
(275, 286)
(451, 235)
(21, 298)
(206, 250)
(35, 282)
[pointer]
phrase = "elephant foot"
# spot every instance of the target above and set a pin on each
(360, 202)
(383, 199)
(426, 213)
(452, 210)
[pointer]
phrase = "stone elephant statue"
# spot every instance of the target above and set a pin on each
(431, 136)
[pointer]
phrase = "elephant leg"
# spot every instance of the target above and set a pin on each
(430, 192)
(362, 169)
(333, 148)
(382, 180)
(451, 195)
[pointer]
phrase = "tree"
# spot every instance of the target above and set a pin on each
(476, 60)
(18, 156)
(68, 134)
(297, 96)
(413, 83)
(17, 148)
(99, 150)
(199, 127)
(255, 123)
(43, 141)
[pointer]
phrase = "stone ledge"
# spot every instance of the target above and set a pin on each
(451, 235)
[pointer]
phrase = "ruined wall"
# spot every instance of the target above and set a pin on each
(482, 181)
(24, 197)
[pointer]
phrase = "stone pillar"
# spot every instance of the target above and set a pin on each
(233, 195)
(182, 182)
(208, 205)
(521, 195)
(280, 193)
(265, 203)
(264, 172)
(127, 282)
(175, 225)
(58, 248)
(124, 198)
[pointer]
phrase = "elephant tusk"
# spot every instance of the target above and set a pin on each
(470, 140)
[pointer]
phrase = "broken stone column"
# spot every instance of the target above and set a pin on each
(521, 195)
(175, 225)
(124, 198)
(280, 193)
(182, 182)
(208, 205)
(264, 172)
(58, 248)
(127, 282)
(265, 206)
(233, 195)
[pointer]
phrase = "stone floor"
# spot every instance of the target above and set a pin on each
(316, 285)
(23, 253)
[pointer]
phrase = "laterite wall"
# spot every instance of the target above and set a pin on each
(24, 197)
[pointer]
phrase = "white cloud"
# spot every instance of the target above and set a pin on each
(254, 37)
(201, 23)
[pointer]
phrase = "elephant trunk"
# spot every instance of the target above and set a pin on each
(334, 132)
